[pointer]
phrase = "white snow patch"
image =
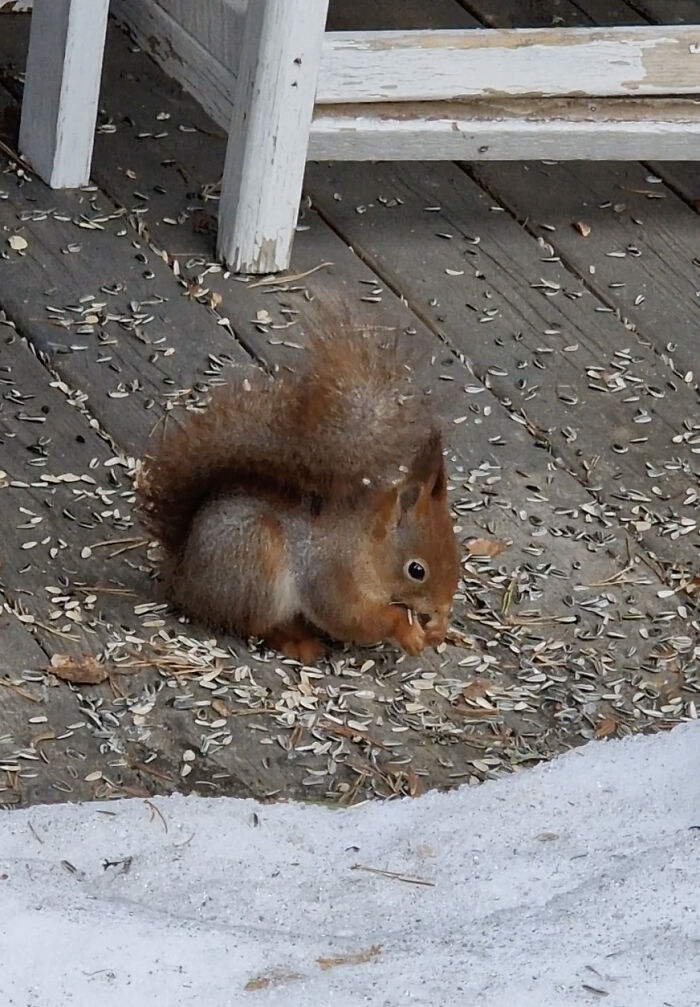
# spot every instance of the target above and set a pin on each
(578, 876)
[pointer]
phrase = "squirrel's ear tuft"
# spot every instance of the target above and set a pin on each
(436, 487)
(427, 463)
(428, 474)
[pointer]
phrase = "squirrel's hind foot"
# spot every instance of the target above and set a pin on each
(297, 642)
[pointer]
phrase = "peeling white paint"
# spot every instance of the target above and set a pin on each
(558, 62)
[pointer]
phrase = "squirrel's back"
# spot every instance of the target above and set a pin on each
(347, 423)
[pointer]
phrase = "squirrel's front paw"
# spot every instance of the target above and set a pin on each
(409, 634)
(307, 651)
(297, 643)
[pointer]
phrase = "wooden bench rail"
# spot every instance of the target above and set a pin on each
(508, 130)
(491, 63)
(287, 91)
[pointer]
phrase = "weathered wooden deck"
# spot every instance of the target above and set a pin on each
(560, 302)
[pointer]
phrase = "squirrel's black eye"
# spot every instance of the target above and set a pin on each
(415, 570)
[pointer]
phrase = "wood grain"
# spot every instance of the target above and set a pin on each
(64, 65)
(440, 65)
(624, 207)
(507, 130)
(268, 134)
(534, 333)
(670, 11)
(381, 130)
(159, 157)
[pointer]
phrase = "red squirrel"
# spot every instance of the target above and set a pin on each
(309, 504)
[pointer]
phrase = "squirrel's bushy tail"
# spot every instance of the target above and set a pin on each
(347, 422)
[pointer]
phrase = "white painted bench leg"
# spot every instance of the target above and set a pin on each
(268, 139)
(62, 86)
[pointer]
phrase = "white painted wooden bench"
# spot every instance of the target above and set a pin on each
(290, 92)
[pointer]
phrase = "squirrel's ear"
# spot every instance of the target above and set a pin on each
(428, 472)
(424, 482)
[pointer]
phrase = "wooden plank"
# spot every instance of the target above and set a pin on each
(43, 730)
(537, 194)
(62, 477)
(19, 651)
(269, 133)
(126, 364)
(670, 11)
(550, 13)
(606, 12)
(627, 143)
(442, 131)
(47, 754)
(64, 65)
(683, 178)
(75, 569)
(525, 13)
(570, 365)
(62, 493)
(505, 482)
(439, 65)
(567, 129)
(148, 339)
(130, 364)
(405, 14)
(241, 305)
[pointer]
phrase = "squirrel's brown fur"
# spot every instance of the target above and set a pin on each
(289, 435)
(316, 456)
